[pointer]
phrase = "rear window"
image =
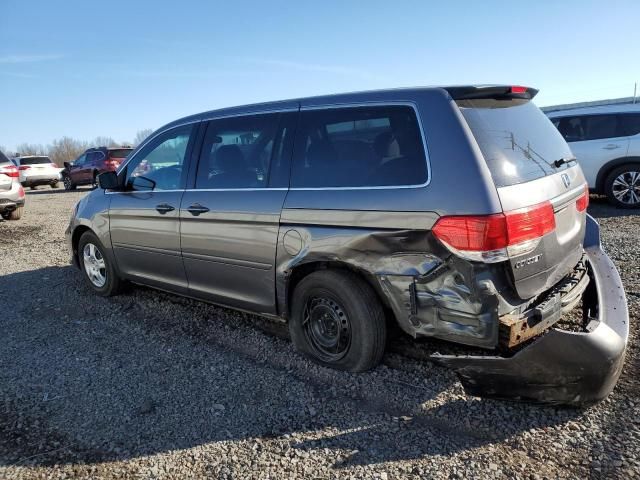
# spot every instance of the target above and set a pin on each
(517, 140)
(359, 147)
(35, 160)
(120, 153)
(630, 123)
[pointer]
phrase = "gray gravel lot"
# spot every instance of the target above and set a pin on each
(150, 385)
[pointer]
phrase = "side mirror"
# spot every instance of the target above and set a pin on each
(108, 181)
(143, 183)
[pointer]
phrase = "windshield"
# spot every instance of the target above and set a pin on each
(34, 160)
(517, 140)
(120, 153)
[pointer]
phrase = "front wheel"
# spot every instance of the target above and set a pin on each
(337, 320)
(622, 186)
(97, 267)
(68, 183)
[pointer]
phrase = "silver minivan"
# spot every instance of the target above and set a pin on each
(458, 213)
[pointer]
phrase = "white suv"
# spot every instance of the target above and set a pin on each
(606, 142)
(37, 170)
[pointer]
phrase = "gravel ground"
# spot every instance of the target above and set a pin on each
(150, 385)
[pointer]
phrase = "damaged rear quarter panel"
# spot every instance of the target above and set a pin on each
(430, 292)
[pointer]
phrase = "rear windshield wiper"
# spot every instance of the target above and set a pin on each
(562, 161)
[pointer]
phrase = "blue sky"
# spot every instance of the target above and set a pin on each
(83, 68)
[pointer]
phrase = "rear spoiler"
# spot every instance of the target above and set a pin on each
(496, 92)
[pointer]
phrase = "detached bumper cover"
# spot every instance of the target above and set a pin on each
(561, 367)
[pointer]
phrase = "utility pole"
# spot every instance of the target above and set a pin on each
(635, 89)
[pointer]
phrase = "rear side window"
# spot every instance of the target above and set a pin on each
(517, 140)
(590, 127)
(630, 123)
(35, 160)
(120, 153)
(358, 147)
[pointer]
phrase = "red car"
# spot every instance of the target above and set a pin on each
(85, 169)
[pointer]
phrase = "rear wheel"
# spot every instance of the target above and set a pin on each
(622, 186)
(98, 269)
(54, 184)
(337, 320)
(68, 183)
(14, 215)
(94, 182)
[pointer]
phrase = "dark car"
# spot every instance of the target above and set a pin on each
(94, 161)
(457, 213)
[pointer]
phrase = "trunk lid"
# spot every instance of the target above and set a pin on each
(530, 164)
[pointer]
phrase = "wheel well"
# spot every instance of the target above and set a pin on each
(302, 271)
(75, 238)
(606, 169)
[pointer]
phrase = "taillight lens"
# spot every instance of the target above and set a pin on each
(583, 202)
(24, 167)
(20, 191)
(10, 171)
(495, 238)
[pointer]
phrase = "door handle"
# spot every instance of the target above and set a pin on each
(196, 209)
(611, 146)
(164, 208)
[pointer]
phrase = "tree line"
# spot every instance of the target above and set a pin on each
(66, 149)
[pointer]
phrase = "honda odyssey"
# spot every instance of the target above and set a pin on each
(458, 212)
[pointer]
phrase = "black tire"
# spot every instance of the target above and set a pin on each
(113, 283)
(94, 182)
(68, 183)
(347, 303)
(54, 184)
(14, 215)
(614, 189)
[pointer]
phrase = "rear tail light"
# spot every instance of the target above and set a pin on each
(24, 167)
(583, 202)
(54, 165)
(10, 171)
(496, 238)
(20, 191)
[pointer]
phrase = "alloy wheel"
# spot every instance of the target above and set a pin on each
(626, 188)
(94, 265)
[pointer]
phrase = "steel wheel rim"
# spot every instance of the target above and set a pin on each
(626, 188)
(94, 265)
(327, 328)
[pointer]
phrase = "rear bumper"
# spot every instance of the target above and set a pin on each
(8, 205)
(34, 180)
(561, 367)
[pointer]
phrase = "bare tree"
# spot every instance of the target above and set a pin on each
(31, 149)
(104, 142)
(66, 149)
(141, 136)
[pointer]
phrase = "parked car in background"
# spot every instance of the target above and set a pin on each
(606, 141)
(37, 170)
(339, 214)
(11, 192)
(85, 169)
